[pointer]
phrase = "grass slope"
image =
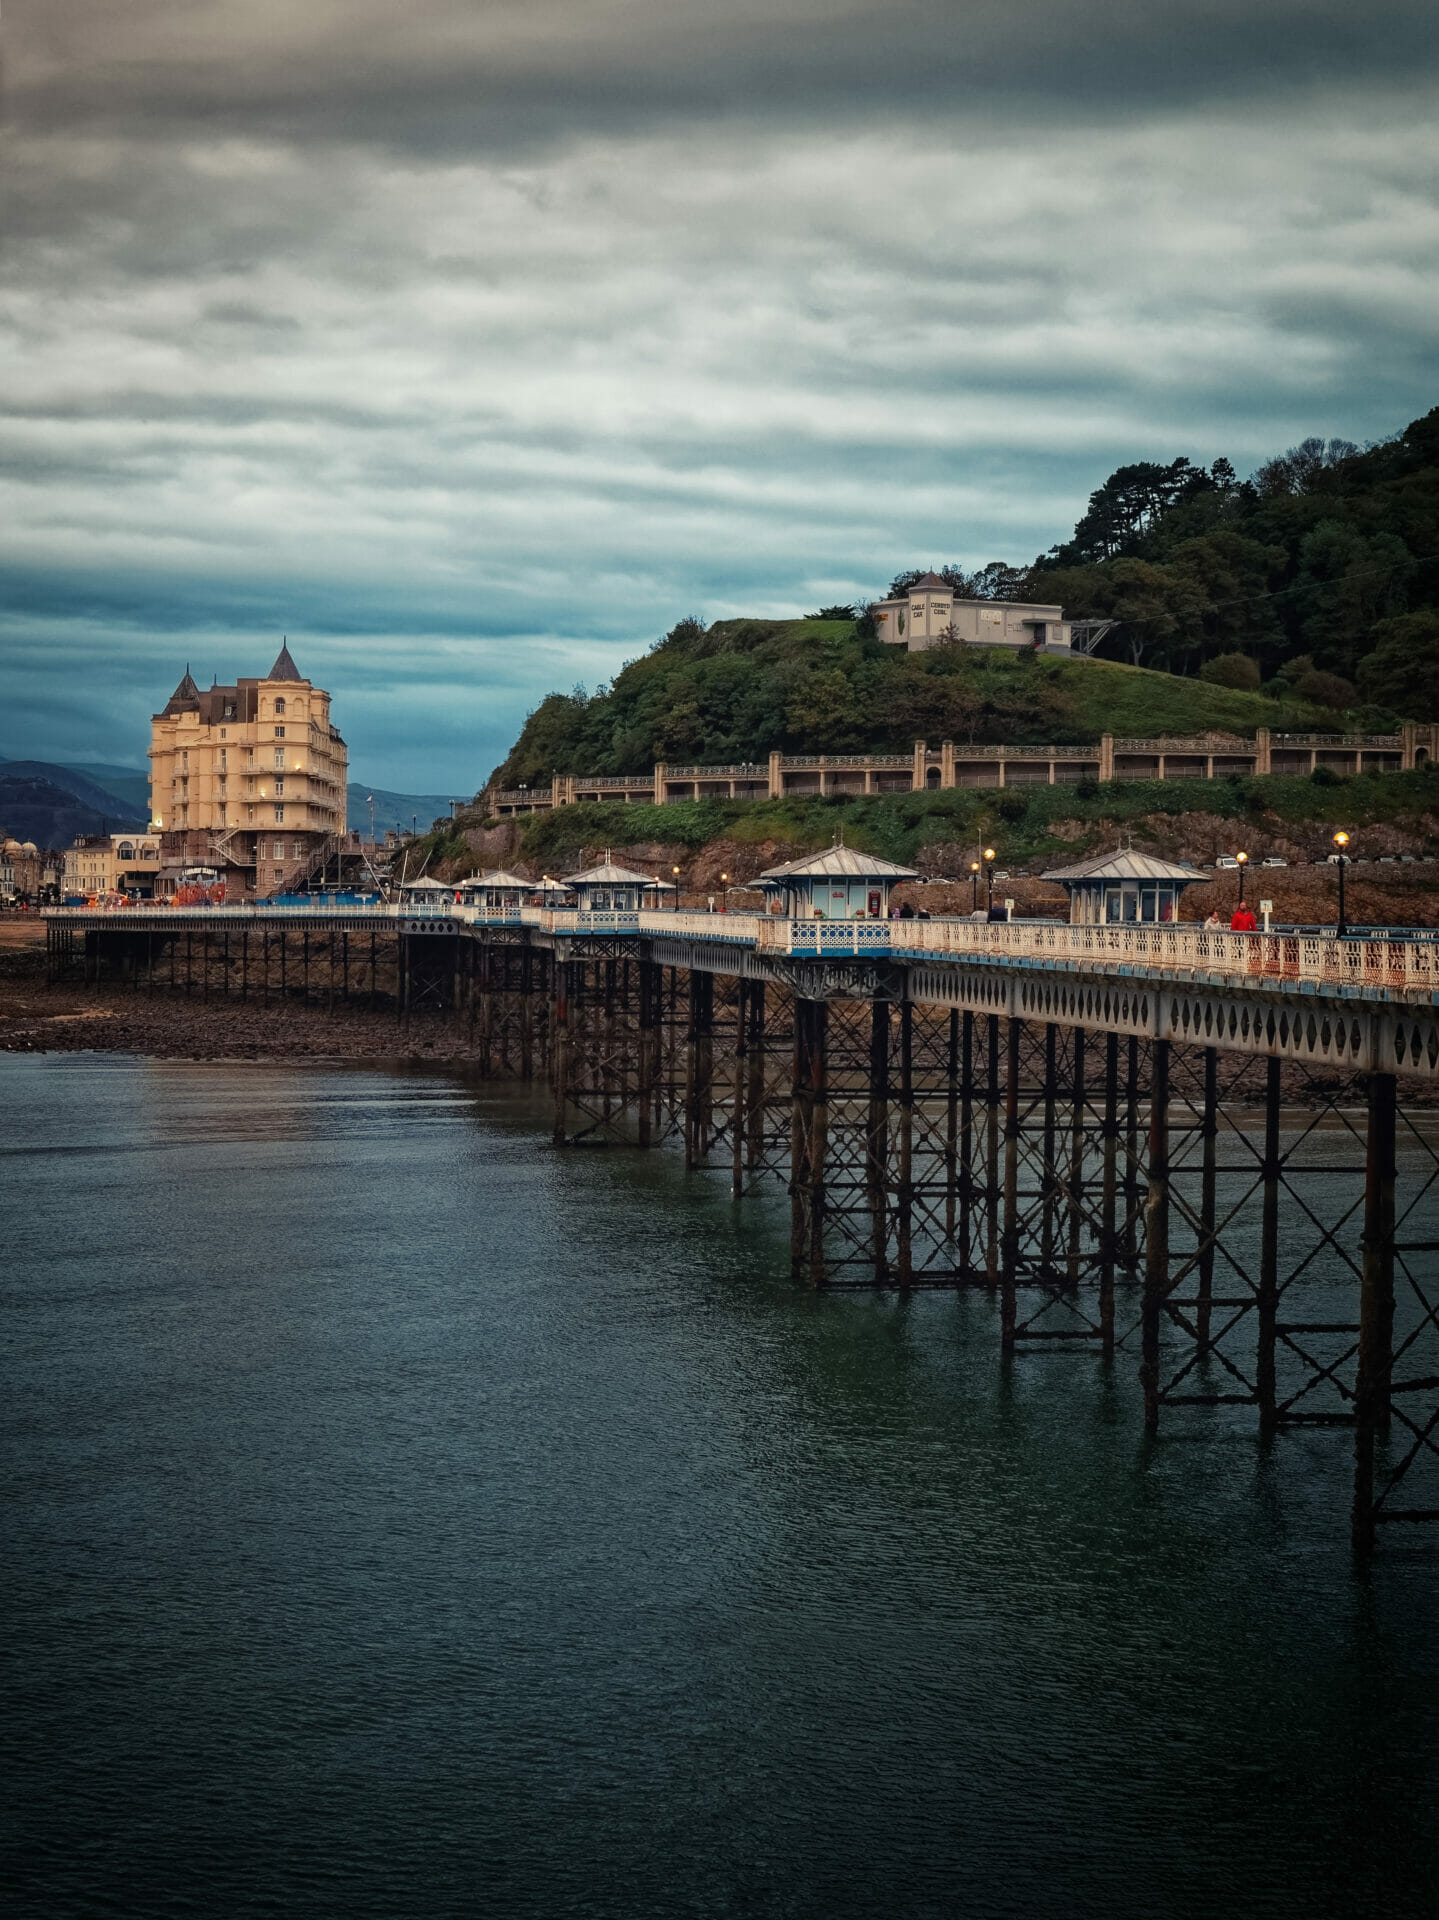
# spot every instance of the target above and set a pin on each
(742, 688)
(1021, 821)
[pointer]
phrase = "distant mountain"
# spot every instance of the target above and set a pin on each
(397, 810)
(51, 804)
(130, 784)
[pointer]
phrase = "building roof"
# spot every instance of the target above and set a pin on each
(931, 580)
(498, 878)
(284, 667)
(1123, 864)
(839, 863)
(185, 696)
(607, 874)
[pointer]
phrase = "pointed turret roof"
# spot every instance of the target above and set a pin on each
(284, 667)
(931, 580)
(185, 697)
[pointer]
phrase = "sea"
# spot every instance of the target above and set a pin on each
(402, 1517)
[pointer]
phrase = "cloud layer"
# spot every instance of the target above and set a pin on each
(471, 347)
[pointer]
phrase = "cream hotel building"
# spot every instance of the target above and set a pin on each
(249, 778)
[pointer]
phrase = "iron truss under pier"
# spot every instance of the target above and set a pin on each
(1214, 1156)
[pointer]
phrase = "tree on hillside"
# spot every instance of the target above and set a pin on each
(1347, 581)
(1402, 673)
(1129, 503)
(1297, 470)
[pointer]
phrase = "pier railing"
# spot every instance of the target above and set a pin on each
(1373, 961)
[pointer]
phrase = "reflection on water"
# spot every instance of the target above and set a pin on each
(403, 1518)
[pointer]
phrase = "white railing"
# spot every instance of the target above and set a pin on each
(1375, 961)
(1382, 961)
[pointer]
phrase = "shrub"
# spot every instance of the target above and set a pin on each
(1326, 777)
(1012, 805)
(1231, 670)
(1087, 788)
(1325, 689)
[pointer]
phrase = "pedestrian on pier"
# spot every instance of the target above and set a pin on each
(1243, 921)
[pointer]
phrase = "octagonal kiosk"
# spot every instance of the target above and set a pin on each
(830, 903)
(1124, 888)
(840, 884)
(497, 895)
(609, 897)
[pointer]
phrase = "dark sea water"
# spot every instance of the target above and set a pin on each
(402, 1518)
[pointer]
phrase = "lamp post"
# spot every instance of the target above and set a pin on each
(1240, 860)
(676, 872)
(974, 886)
(989, 857)
(1341, 840)
(724, 882)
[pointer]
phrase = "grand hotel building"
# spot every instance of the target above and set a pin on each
(249, 778)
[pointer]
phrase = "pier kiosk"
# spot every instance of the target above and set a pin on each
(1124, 888)
(608, 888)
(496, 892)
(840, 884)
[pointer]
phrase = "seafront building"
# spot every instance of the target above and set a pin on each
(112, 863)
(249, 779)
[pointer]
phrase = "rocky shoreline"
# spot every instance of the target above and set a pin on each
(71, 1018)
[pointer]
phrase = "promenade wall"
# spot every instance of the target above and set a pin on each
(1211, 756)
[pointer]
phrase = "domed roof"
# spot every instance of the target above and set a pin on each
(28, 846)
(13, 846)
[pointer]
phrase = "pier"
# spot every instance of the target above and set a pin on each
(1213, 1157)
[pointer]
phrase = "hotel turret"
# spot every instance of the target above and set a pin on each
(249, 779)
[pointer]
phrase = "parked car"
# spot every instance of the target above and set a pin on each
(1226, 860)
(1273, 860)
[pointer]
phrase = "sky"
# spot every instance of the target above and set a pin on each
(471, 345)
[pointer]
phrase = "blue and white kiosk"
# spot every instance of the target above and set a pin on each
(840, 884)
(1125, 888)
(496, 892)
(608, 888)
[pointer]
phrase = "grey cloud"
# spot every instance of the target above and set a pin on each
(472, 346)
(443, 74)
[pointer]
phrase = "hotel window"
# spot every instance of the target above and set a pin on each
(279, 706)
(279, 733)
(278, 851)
(249, 813)
(279, 816)
(279, 875)
(280, 757)
(279, 786)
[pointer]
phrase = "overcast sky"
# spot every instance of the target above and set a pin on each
(471, 345)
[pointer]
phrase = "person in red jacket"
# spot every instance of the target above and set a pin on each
(1243, 921)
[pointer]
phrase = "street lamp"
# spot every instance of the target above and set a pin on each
(676, 872)
(989, 858)
(1341, 840)
(1239, 860)
(724, 882)
(974, 886)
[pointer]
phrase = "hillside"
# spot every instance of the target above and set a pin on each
(52, 804)
(1316, 580)
(735, 691)
(1325, 562)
